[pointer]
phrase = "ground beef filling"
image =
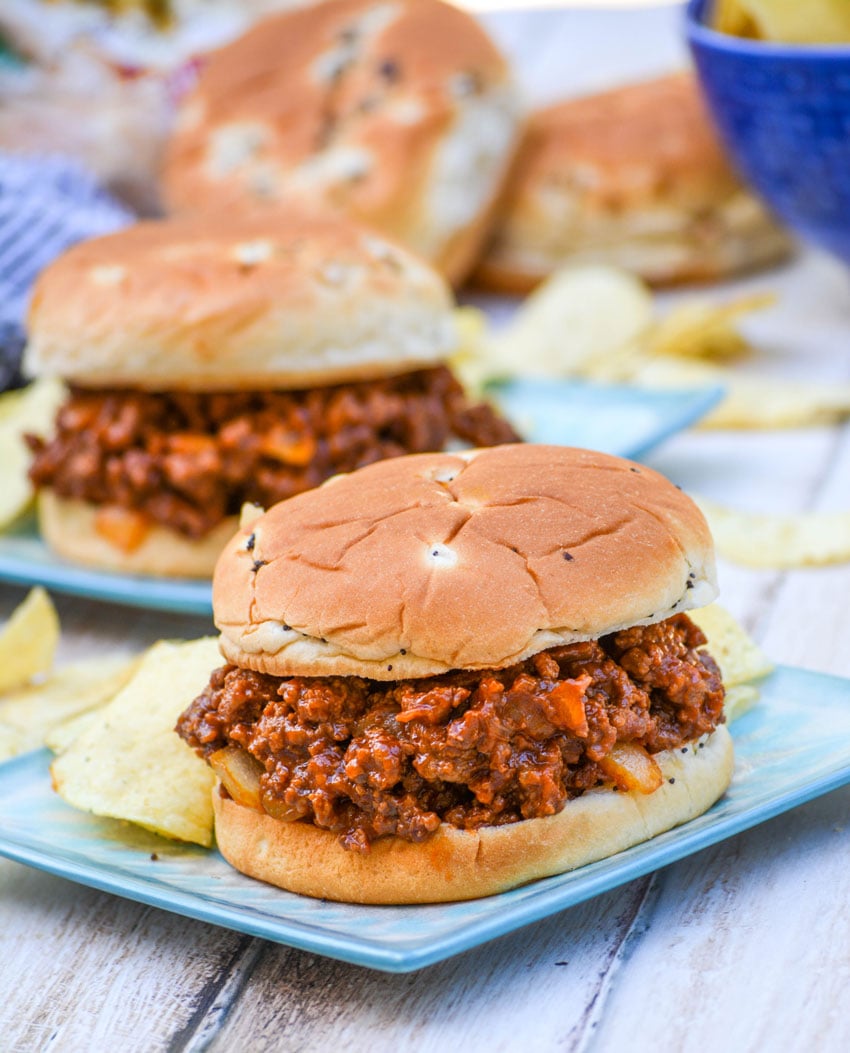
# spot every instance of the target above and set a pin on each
(187, 460)
(366, 759)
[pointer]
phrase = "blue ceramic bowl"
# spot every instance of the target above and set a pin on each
(784, 113)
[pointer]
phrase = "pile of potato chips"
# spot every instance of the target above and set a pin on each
(600, 323)
(110, 720)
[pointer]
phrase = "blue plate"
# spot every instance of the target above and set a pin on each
(622, 420)
(795, 745)
(627, 421)
(26, 560)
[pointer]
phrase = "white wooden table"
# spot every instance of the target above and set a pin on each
(745, 946)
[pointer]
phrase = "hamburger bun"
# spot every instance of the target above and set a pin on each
(419, 565)
(458, 864)
(425, 564)
(282, 301)
(636, 178)
(70, 529)
(403, 115)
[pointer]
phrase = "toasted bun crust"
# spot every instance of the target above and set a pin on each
(422, 564)
(634, 177)
(68, 527)
(459, 864)
(401, 113)
(282, 301)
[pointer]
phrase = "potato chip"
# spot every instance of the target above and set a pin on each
(750, 402)
(474, 362)
(28, 641)
(798, 22)
(705, 331)
(31, 410)
(740, 658)
(578, 316)
(61, 735)
(770, 542)
(12, 742)
(33, 711)
(130, 764)
(729, 16)
(739, 700)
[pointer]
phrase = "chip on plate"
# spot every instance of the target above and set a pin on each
(29, 715)
(771, 542)
(128, 763)
(739, 700)
(740, 658)
(28, 641)
(61, 735)
(576, 318)
(31, 410)
(705, 331)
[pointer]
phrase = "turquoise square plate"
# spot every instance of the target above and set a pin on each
(793, 746)
(622, 420)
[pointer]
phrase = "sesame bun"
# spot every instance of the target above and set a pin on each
(423, 564)
(636, 178)
(456, 864)
(402, 114)
(285, 301)
(70, 529)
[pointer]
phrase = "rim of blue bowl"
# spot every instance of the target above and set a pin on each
(701, 33)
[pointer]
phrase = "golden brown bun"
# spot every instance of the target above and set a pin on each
(635, 178)
(282, 301)
(68, 527)
(432, 562)
(458, 864)
(402, 114)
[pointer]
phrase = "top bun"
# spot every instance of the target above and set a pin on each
(635, 177)
(401, 113)
(422, 564)
(280, 301)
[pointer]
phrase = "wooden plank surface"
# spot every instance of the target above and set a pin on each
(741, 947)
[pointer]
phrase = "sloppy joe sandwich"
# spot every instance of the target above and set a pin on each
(450, 674)
(400, 113)
(224, 361)
(634, 177)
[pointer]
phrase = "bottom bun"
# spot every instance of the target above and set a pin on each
(461, 864)
(69, 528)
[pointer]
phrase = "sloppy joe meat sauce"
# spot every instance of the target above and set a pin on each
(366, 759)
(187, 460)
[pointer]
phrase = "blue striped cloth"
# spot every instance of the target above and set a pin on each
(46, 205)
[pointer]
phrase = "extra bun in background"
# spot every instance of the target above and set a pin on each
(401, 114)
(497, 641)
(219, 361)
(635, 177)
